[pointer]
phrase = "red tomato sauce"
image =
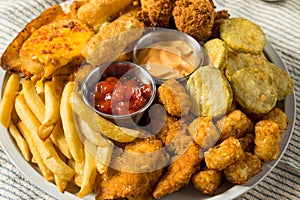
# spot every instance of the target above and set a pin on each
(121, 96)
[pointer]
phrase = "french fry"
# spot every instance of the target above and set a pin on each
(100, 124)
(21, 142)
(58, 138)
(45, 148)
(89, 175)
(33, 99)
(36, 156)
(69, 127)
(103, 157)
(60, 184)
(52, 101)
(7, 102)
(79, 170)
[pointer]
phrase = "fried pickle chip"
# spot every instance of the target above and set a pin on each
(210, 92)
(281, 79)
(243, 35)
(216, 51)
(254, 90)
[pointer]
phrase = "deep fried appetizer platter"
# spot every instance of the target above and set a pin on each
(221, 124)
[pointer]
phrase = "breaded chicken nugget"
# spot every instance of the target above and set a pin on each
(278, 116)
(241, 171)
(156, 13)
(204, 132)
(195, 17)
(235, 124)
(267, 139)
(174, 98)
(179, 172)
(224, 154)
(207, 181)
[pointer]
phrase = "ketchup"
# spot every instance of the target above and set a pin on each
(121, 96)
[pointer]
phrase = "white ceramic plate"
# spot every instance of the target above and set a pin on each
(226, 191)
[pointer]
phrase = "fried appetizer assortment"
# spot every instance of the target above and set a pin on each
(156, 13)
(203, 131)
(174, 98)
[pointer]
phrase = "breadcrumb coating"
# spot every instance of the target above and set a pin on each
(156, 13)
(195, 17)
(207, 181)
(174, 98)
(241, 171)
(267, 140)
(204, 132)
(235, 124)
(224, 154)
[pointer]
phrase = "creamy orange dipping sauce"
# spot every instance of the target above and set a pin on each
(168, 59)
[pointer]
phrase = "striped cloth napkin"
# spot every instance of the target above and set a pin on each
(280, 22)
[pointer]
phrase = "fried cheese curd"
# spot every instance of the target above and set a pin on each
(174, 98)
(241, 171)
(224, 154)
(267, 140)
(204, 132)
(156, 13)
(235, 124)
(207, 181)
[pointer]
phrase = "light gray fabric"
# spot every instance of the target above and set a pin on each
(281, 24)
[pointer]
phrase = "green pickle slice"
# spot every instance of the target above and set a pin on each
(243, 35)
(216, 51)
(254, 90)
(210, 92)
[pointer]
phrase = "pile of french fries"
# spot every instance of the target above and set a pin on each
(58, 132)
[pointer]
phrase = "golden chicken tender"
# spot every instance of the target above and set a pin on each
(267, 140)
(195, 17)
(278, 116)
(210, 92)
(174, 98)
(216, 51)
(109, 43)
(96, 12)
(179, 172)
(241, 171)
(235, 124)
(207, 181)
(224, 154)
(254, 90)
(156, 13)
(204, 132)
(243, 35)
(247, 142)
(55, 45)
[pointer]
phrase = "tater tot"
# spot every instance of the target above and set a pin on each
(278, 116)
(224, 154)
(267, 140)
(204, 132)
(207, 181)
(235, 124)
(247, 142)
(174, 98)
(241, 171)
